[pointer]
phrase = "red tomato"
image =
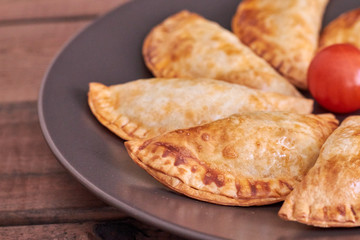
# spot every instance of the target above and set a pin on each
(334, 78)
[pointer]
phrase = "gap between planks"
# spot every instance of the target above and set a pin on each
(32, 33)
(59, 216)
(25, 9)
(127, 228)
(29, 21)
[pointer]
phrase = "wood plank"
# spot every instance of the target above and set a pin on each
(54, 231)
(64, 215)
(50, 198)
(11, 11)
(44, 191)
(27, 50)
(123, 229)
(25, 54)
(35, 188)
(23, 148)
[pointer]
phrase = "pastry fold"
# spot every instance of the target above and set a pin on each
(187, 45)
(344, 29)
(253, 158)
(147, 108)
(329, 194)
(284, 33)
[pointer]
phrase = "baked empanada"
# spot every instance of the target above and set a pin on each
(147, 108)
(187, 45)
(255, 158)
(284, 33)
(329, 195)
(344, 29)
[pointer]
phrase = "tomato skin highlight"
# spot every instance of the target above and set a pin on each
(334, 78)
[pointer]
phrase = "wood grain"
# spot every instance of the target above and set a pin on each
(26, 52)
(23, 148)
(16, 11)
(39, 199)
(125, 229)
(51, 231)
(34, 187)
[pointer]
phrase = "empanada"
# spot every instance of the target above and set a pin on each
(253, 158)
(147, 108)
(284, 33)
(187, 45)
(329, 195)
(344, 29)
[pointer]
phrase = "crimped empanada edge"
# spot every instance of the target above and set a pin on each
(295, 76)
(152, 42)
(207, 196)
(322, 213)
(103, 111)
(287, 213)
(148, 51)
(342, 22)
(181, 187)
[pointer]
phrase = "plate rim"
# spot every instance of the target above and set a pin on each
(112, 201)
(101, 194)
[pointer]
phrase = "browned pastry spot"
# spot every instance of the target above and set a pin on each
(328, 196)
(231, 168)
(284, 33)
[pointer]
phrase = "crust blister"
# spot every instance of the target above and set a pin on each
(146, 108)
(192, 161)
(243, 192)
(284, 33)
(328, 195)
(188, 45)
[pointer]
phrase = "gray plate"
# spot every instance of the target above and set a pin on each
(109, 51)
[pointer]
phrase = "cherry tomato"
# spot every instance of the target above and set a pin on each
(334, 78)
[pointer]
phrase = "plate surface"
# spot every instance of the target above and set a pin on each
(109, 51)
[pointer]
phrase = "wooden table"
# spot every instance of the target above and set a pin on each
(39, 199)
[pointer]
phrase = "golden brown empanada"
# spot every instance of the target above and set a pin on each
(186, 45)
(285, 33)
(329, 195)
(255, 158)
(344, 29)
(147, 108)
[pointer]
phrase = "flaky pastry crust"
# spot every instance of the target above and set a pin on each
(329, 194)
(147, 108)
(187, 45)
(344, 29)
(284, 33)
(255, 158)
